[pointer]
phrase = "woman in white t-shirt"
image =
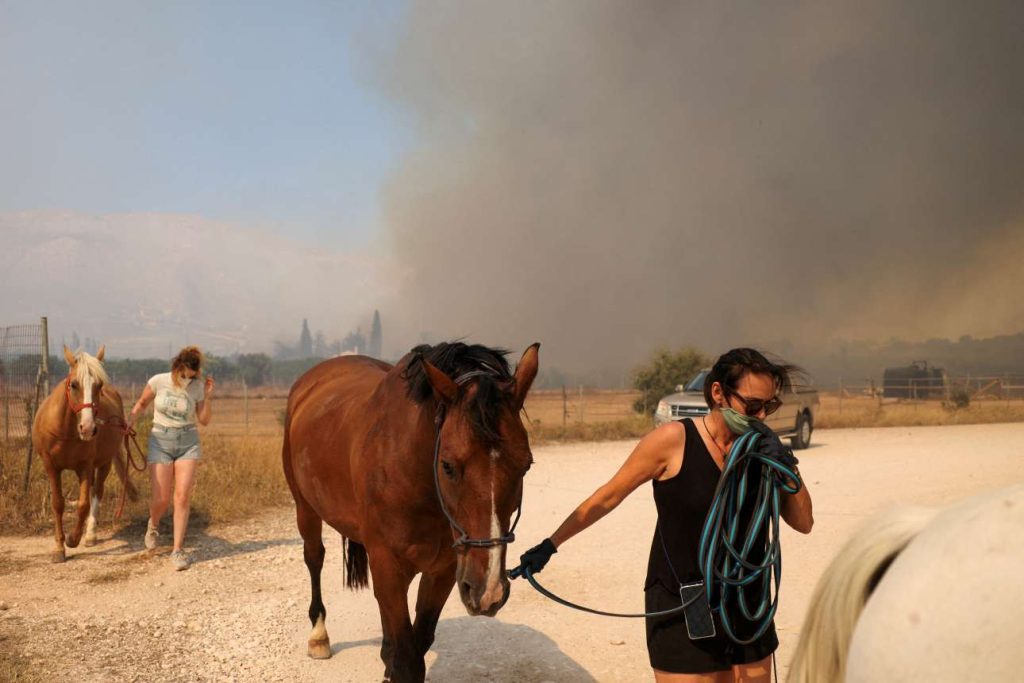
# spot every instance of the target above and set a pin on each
(180, 399)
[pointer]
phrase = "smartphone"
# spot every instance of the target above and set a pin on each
(699, 621)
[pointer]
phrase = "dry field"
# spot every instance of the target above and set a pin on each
(600, 414)
(241, 471)
(864, 411)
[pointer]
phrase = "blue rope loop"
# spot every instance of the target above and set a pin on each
(726, 549)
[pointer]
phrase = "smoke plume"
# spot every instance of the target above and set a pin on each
(608, 176)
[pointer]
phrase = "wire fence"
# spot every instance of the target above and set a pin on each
(23, 381)
(983, 387)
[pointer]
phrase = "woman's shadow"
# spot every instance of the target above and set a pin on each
(475, 649)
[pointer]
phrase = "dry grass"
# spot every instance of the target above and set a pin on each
(551, 408)
(632, 427)
(238, 476)
(864, 411)
(240, 473)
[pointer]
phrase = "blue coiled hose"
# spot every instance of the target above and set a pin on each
(726, 549)
(723, 553)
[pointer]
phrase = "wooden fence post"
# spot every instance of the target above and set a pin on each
(565, 407)
(245, 403)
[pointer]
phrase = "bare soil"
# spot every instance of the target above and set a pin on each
(117, 612)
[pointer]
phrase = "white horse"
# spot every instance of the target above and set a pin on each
(922, 595)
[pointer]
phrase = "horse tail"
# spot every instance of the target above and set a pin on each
(844, 588)
(356, 564)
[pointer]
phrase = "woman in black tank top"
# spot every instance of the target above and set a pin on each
(684, 462)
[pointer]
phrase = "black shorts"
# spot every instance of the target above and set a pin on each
(671, 650)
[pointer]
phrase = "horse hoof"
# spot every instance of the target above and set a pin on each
(72, 541)
(57, 556)
(89, 541)
(319, 649)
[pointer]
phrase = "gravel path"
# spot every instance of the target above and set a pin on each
(116, 612)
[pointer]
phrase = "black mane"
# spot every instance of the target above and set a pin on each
(456, 359)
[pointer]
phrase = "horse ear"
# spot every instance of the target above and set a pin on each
(69, 357)
(526, 372)
(444, 388)
(101, 352)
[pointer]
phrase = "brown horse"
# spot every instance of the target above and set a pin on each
(419, 466)
(78, 427)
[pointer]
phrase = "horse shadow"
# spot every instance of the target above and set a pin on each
(475, 649)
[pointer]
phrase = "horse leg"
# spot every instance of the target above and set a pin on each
(57, 501)
(311, 528)
(433, 593)
(85, 477)
(391, 579)
(94, 504)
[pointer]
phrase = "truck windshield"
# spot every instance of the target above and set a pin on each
(697, 383)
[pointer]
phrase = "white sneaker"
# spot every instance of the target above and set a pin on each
(150, 539)
(180, 560)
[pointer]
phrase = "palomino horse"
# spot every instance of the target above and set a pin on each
(922, 595)
(78, 427)
(403, 461)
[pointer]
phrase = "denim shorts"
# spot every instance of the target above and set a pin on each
(169, 444)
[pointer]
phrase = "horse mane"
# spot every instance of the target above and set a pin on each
(456, 359)
(86, 365)
(844, 588)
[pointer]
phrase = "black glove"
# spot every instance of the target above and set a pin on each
(534, 559)
(771, 445)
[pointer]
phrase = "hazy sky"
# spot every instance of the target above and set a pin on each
(598, 175)
(252, 112)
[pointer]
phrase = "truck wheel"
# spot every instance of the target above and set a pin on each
(802, 438)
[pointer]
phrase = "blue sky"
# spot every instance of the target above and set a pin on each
(257, 113)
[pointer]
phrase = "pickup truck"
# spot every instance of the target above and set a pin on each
(795, 419)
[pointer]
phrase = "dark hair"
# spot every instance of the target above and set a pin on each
(733, 365)
(455, 359)
(189, 357)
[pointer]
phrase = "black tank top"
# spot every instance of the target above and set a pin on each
(683, 502)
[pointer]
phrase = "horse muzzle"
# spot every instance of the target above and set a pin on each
(483, 591)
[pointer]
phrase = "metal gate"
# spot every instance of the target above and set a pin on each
(24, 382)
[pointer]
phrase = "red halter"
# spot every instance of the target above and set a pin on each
(81, 406)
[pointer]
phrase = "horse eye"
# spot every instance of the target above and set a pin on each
(74, 385)
(448, 469)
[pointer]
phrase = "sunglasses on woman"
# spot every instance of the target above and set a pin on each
(753, 406)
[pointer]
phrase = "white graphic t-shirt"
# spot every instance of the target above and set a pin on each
(173, 406)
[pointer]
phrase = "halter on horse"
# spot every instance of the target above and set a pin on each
(420, 473)
(68, 434)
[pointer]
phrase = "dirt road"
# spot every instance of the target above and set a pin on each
(115, 612)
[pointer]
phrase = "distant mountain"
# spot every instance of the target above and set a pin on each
(146, 283)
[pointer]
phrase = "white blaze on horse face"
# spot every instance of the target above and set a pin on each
(494, 590)
(85, 418)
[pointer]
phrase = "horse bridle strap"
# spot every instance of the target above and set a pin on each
(77, 408)
(464, 538)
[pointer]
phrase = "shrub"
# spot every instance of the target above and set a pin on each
(959, 398)
(660, 375)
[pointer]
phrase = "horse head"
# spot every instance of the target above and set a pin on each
(82, 388)
(482, 453)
